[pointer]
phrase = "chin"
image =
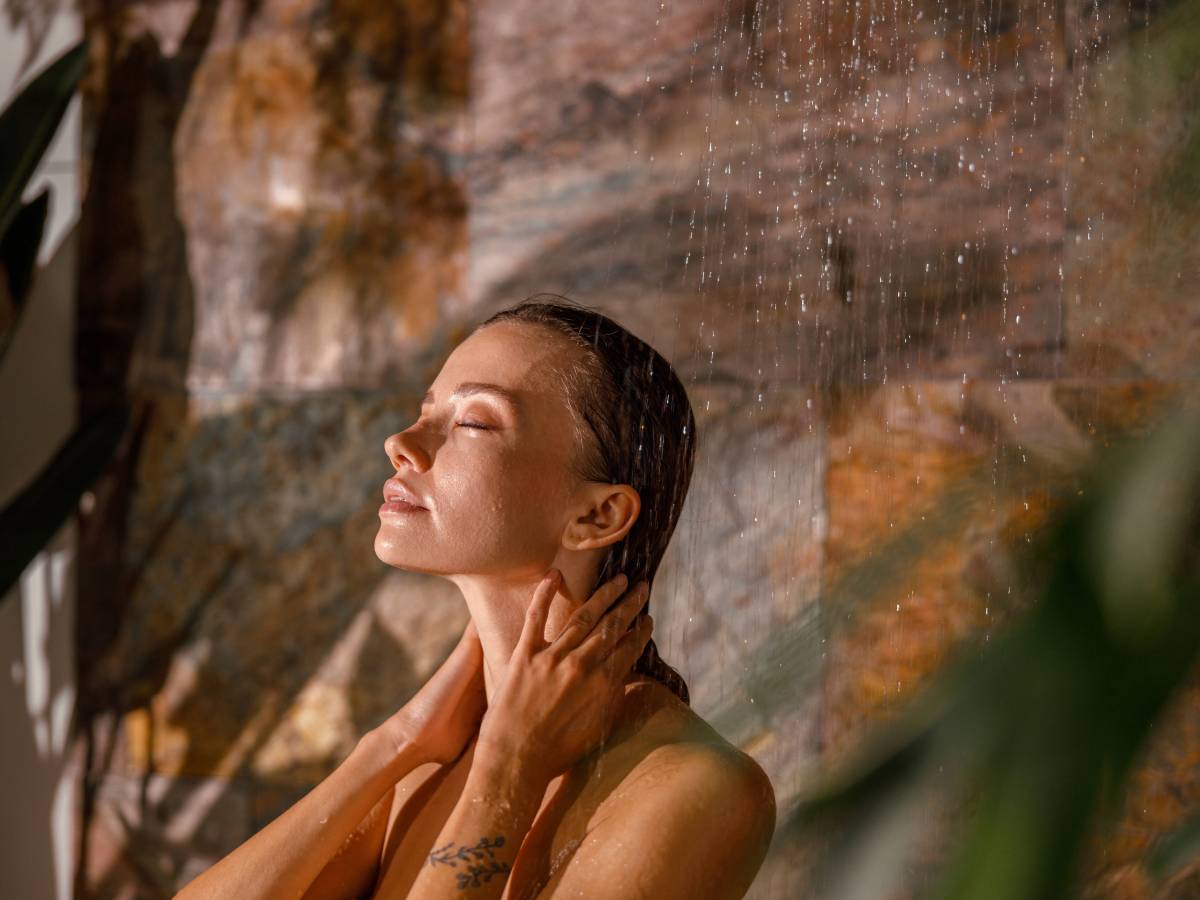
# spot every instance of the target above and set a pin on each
(389, 549)
(394, 551)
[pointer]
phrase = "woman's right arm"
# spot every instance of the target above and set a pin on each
(285, 857)
(354, 869)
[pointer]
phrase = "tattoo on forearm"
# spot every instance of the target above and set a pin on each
(481, 862)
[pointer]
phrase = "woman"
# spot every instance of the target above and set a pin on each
(553, 754)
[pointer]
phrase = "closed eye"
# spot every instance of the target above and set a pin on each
(473, 425)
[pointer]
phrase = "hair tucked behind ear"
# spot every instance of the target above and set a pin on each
(643, 434)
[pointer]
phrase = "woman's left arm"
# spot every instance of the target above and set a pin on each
(477, 846)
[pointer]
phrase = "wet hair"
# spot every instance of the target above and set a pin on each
(643, 434)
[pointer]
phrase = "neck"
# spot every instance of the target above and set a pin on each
(498, 606)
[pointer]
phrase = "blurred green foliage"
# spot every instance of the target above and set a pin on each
(27, 126)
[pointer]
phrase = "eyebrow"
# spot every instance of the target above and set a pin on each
(479, 387)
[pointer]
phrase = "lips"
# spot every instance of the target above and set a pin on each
(394, 489)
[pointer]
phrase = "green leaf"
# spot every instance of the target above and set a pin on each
(32, 518)
(29, 123)
(18, 256)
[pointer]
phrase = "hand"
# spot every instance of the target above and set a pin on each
(444, 714)
(557, 700)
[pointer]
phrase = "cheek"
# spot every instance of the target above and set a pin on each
(498, 490)
(495, 512)
(475, 485)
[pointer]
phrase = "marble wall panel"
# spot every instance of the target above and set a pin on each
(741, 566)
(892, 462)
(318, 158)
(842, 212)
(890, 459)
(1132, 302)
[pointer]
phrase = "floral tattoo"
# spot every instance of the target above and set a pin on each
(481, 862)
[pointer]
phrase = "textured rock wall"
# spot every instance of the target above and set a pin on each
(882, 248)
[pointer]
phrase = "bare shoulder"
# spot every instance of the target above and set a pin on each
(684, 760)
(678, 777)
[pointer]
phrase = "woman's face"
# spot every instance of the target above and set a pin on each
(490, 470)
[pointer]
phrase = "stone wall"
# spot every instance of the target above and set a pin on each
(882, 249)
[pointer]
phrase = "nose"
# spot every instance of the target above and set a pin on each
(403, 446)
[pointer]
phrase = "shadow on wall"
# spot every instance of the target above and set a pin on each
(132, 257)
(36, 616)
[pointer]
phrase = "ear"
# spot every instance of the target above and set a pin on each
(604, 515)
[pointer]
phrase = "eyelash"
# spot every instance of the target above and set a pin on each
(474, 425)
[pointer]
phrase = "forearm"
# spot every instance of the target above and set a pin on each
(478, 845)
(284, 858)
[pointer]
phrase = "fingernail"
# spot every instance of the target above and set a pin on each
(622, 579)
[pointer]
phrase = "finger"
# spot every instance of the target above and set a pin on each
(584, 619)
(613, 624)
(533, 635)
(630, 647)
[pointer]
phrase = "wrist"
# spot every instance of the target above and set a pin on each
(512, 792)
(500, 766)
(391, 750)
